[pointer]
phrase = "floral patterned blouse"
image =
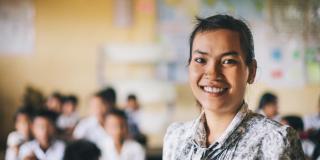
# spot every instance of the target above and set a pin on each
(249, 136)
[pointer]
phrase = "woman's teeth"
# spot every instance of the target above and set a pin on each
(213, 89)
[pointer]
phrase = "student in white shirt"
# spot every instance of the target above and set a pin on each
(296, 123)
(69, 117)
(91, 128)
(54, 102)
(268, 106)
(133, 113)
(44, 146)
(22, 133)
(118, 146)
(312, 122)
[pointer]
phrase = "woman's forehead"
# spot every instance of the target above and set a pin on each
(219, 40)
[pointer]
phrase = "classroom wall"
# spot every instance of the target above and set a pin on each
(69, 34)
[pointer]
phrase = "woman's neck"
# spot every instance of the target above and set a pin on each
(216, 124)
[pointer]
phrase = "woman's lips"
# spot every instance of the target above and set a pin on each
(214, 90)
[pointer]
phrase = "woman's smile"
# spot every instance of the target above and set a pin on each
(215, 89)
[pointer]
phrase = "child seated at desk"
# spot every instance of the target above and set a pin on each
(92, 127)
(117, 145)
(44, 146)
(21, 134)
(69, 116)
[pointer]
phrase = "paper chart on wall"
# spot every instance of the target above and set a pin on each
(280, 60)
(16, 27)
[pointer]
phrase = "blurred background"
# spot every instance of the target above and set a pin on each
(141, 47)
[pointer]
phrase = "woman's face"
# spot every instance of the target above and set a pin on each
(218, 73)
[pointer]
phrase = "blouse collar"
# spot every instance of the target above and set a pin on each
(199, 135)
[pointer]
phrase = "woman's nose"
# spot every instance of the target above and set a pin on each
(213, 71)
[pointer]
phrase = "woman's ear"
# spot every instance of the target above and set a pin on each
(252, 71)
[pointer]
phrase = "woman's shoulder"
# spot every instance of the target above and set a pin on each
(178, 133)
(176, 138)
(284, 139)
(259, 122)
(179, 128)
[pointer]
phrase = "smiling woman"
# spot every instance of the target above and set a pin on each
(221, 64)
(217, 72)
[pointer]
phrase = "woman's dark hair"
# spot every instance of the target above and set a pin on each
(225, 22)
(267, 98)
(81, 150)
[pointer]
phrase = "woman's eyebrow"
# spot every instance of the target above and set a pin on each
(230, 53)
(200, 52)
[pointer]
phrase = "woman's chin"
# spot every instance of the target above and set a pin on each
(214, 106)
(220, 107)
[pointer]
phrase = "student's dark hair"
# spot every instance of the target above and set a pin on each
(57, 95)
(295, 122)
(132, 97)
(117, 112)
(70, 99)
(108, 95)
(225, 22)
(267, 98)
(81, 150)
(45, 113)
(25, 110)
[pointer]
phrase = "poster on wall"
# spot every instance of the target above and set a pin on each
(123, 13)
(312, 57)
(172, 15)
(280, 58)
(17, 26)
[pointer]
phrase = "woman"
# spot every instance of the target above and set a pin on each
(221, 64)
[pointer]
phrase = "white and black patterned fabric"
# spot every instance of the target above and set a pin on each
(249, 136)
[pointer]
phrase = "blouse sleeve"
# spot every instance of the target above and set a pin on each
(170, 141)
(282, 144)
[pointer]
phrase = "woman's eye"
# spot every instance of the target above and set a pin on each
(229, 61)
(199, 60)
